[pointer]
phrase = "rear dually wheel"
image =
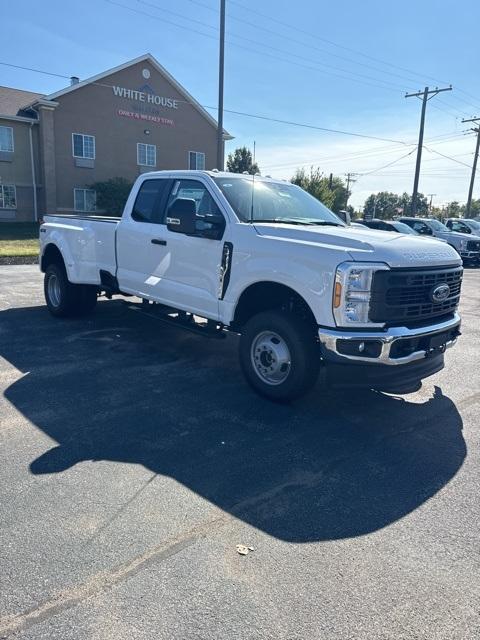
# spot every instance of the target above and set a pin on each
(65, 299)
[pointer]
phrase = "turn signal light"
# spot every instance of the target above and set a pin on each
(337, 296)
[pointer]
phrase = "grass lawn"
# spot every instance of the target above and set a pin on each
(18, 239)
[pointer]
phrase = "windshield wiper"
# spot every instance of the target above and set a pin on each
(327, 223)
(284, 221)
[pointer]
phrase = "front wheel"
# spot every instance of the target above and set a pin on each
(65, 299)
(279, 355)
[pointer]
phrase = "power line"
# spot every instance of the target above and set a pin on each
(150, 15)
(389, 86)
(447, 157)
(252, 115)
(309, 126)
(270, 18)
(302, 43)
(355, 77)
(47, 73)
(262, 117)
(335, 44)
(387, 165)
(364, 153)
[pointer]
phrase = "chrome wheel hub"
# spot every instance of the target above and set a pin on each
(270, 357)
(54, 290)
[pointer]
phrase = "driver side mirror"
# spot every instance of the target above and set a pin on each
(182, 216)
(345, 216)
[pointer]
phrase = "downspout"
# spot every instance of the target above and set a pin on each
(34, 181)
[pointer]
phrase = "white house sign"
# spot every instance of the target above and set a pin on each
(147, 95)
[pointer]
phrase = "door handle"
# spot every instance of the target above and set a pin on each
(158, 241)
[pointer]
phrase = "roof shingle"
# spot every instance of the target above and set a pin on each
(13, 100)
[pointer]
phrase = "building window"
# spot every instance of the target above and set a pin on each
(6, 139)
(146, 154)
(8, 196)
(196, 160)
(83, 146)
(85, 200)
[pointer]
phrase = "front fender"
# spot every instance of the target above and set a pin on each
(311, 279)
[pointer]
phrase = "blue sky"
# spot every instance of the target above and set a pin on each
(342, 65)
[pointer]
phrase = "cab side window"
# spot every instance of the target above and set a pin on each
(459, 226)
(194, 190)
(205, 205)
(422, 228)
(150, 201)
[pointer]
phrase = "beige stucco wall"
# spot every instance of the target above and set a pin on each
(93, 110)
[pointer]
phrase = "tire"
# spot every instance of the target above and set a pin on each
(65, 299)
(279, 355)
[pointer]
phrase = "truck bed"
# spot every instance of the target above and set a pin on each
(88, 242)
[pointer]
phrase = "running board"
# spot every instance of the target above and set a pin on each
(180, 319)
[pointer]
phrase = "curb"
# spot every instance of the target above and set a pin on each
(9, 260)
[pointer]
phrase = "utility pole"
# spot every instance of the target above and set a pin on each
(350, 179)
(474, 166)
(425, 93)
(221, 65)
(431, 198)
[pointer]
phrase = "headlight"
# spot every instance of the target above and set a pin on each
(463, 244)
(351, 296)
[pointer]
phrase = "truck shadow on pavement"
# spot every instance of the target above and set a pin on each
(122, 387)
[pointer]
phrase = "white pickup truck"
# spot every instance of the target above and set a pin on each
(468, 248)
(217, 252)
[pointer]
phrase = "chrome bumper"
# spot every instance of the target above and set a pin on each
(470, 254)
(329, 337)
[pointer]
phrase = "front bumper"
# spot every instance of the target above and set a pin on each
(470, 255)
(393, 347)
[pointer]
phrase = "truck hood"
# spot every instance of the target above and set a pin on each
(367, 245)
(454, 236)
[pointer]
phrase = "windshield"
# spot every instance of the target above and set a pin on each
(255, 200)
(401, 227)
(436, 225)
(474, 224)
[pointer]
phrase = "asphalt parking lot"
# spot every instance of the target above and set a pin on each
(134, 459)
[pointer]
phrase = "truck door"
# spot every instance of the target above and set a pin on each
(142, 251)
(192, 279)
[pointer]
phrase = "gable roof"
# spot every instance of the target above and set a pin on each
(147, 57)
(12, 101)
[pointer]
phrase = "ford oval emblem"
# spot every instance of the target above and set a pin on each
(440, 293)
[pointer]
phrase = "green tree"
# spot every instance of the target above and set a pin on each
(386, 205)
(332, 193)
(475, 209)
(454, 210)
(422, 204)
(241, 160)
(112, 195)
